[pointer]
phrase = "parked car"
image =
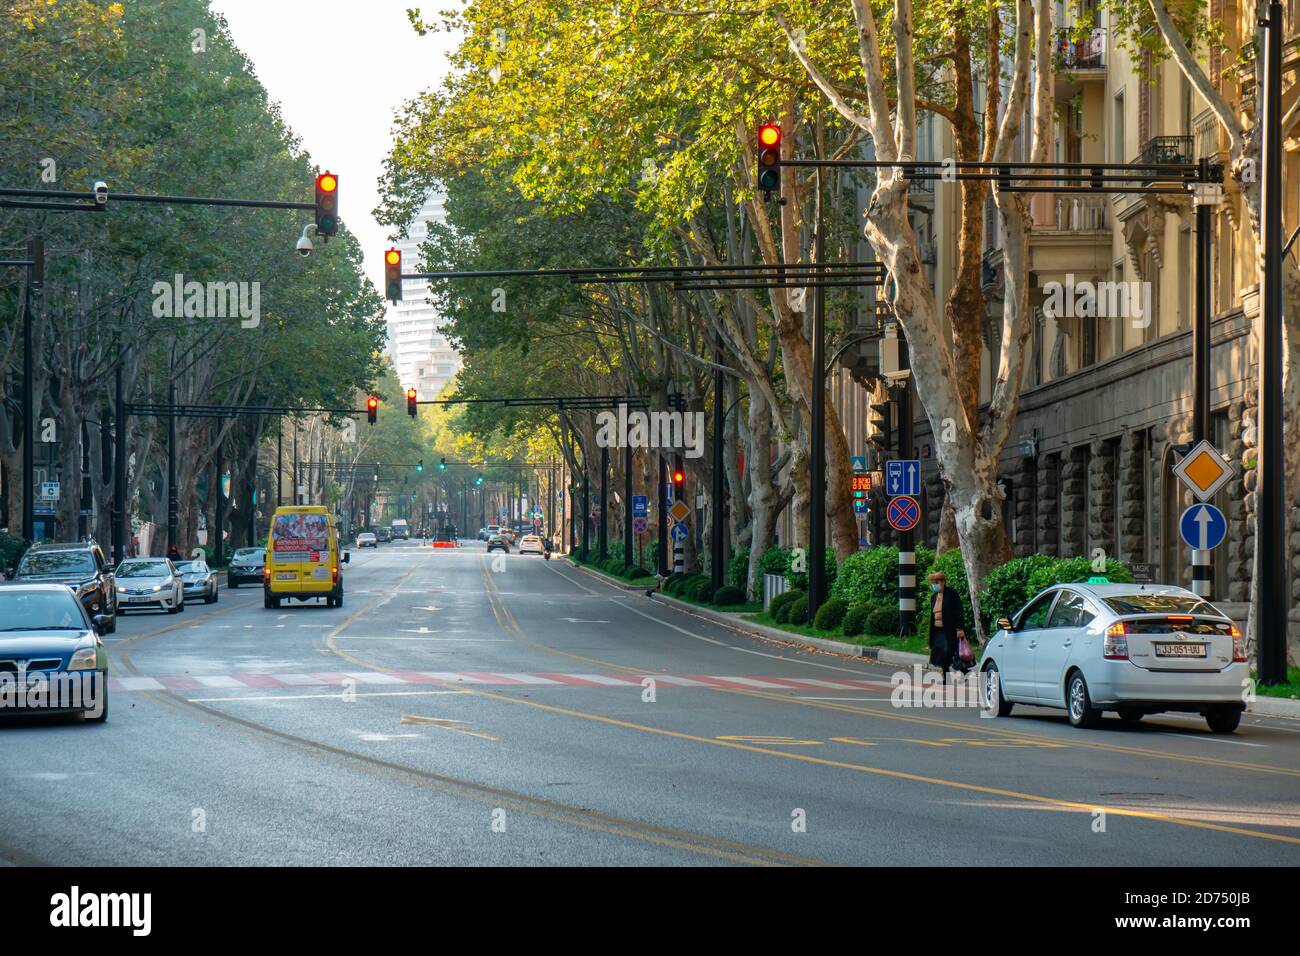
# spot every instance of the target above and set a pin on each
(197, 580)
(246, 567)
(44, 630)
(79, 565)
(149, 583)
(498, 542)
(1133, 649)
(367, 540)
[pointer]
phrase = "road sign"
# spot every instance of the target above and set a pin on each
(638, 525)
(861, 485)
(1203, 470)
(680, 511)
(1203, 527)
(904, 512)
(50, 490)
(640, 506)
(903, 477)
(860, 506)
(858, 462)
(680, 532)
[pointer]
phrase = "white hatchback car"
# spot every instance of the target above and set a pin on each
(531, 544)
(1131, 648)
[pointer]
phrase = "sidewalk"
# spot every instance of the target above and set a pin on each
(1261, 707)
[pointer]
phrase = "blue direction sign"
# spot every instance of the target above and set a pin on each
(903, 513)
(858, 462)
(680, 532)
(1203, 527)
(640, 506)
(860, 506)
(903, 477)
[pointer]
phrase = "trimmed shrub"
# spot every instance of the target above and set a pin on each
(1076, 571)
(868, 577)
(1007, 587)
(11, 550)
(775, 561)
(738, 569)
(728, 596)
(780, 605)
(830, 614)
(636, 571)
(855, 619)
(704, 594)
(881, 621)
(692, 586)
(796, 612)
(799, 579)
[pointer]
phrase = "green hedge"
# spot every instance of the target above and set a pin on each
(728, 596)
(775, 561)
(738, 569)
(871, 577)
(855, 619)
(781, 603)
(830, 614)
(796, 612)
(881, 620)
(799, 579)
(11, 550)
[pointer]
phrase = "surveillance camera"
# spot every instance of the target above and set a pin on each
(101, 193)
(304, 245)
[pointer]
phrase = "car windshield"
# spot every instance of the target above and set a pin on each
(248, 553)
(142, 569)
(1145, 603)
(33, 610)
(57, 562)
(192, 567)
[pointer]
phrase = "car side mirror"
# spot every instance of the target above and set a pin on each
(101, 623)
(1005, 624)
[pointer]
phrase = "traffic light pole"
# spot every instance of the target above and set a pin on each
(906, 539)
(602, 529)
(663, 517)
(1271, 561)
(1202, 569)
(627, 507)
(119, 466)
(173, 499)
(817, 425)
(219, 507)
(35, 296)
(717, 557)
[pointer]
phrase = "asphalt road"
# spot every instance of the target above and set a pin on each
(467, 709)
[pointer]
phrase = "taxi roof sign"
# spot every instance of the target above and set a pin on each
(1203, 470)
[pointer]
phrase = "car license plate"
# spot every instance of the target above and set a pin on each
(1180, 650)
(286, 576)
(140, 598)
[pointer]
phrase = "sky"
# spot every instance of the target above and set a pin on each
(342, 106)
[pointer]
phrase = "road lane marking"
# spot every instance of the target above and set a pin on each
(443, 723)
(337, 696)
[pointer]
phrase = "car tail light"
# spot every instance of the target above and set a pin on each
(336, 575)
(1238, 645)
(1115, 647)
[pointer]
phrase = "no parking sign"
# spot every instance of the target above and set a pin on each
(903, 512)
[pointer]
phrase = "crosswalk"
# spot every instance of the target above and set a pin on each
(279, 680)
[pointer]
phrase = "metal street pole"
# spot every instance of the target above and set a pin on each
(172, 498)
(602, 530)
(586, 506)
(35, 296)
(214, 535)
(1270, 556)
(252, 503)
(663, 517)
(906, 539)
(279, 466)
(716, 554)
(627, 507)
(1202, 573)
(817, 427)
(119, 465)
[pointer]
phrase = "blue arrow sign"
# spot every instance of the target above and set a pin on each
(640, 506)
(1203, 527)
(680, 532)
(903, 477)
(860, 506)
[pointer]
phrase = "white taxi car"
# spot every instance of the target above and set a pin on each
(1130, 648)
(531, 544)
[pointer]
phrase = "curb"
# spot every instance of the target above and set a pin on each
(1274, 707)
(733, 620)
(612, 582)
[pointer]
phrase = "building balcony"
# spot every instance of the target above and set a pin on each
(1069, 212)
(1069, 229)
(1167, 149)
(1081, 53)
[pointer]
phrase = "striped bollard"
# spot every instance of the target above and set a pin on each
(906, 593)
(1201, 573)
(679, 558)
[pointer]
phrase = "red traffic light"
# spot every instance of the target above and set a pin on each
(410, 393)
(769, 158)
(679, 476)
(769, 134)
(410, 402)
(327, 182)
(372, 409)
(327, 204)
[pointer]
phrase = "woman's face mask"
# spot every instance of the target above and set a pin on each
(936, 587)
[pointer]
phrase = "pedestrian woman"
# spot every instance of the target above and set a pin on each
(946, 631)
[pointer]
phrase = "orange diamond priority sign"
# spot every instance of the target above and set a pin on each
(1203, 470)
(680, 510)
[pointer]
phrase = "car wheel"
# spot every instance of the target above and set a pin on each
(180, 607)
(1223, 720)
(232, 583)
(1079, 704)
(269, 602)
(1003, 705)
(1130, 716)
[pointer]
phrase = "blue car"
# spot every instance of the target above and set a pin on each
(52, 659)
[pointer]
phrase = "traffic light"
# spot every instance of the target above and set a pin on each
(327, 204)
(393, 275)
(769, 158)
(878, 423)
(442, 464)
(410, 402)
(679, 478)
(419, 466)
(372, 409)
(478, 480)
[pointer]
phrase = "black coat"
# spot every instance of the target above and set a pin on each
(943, 643)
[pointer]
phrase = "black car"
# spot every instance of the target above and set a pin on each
(498, 542)
(246, 566)
(384, 534)
(82, 567)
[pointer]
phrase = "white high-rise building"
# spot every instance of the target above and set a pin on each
(421, 355)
